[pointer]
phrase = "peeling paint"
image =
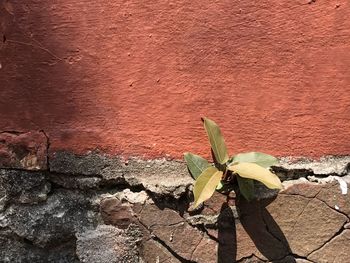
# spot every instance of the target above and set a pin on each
(343, 185)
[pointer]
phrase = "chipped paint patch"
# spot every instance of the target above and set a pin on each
(343, 185)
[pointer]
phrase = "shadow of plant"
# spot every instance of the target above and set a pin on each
(259, 225)
(227, 249)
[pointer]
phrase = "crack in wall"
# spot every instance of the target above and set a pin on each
(334, 209)
(195, 248)
(163, 244)
(177, 256)
(301, 213)
(339, 232)
(311, 198)
(34, 46)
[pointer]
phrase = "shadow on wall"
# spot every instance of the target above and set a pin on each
(259, 225)
(45, 76)
(35, 70)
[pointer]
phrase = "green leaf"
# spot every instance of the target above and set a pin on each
(216, 140)
(246, 187)
(256, 172)
(195, 164)
(261, 159)
(205, 185)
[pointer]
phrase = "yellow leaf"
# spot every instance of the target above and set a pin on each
(256, 172)
(205, 185)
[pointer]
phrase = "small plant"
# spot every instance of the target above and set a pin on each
(227, 174)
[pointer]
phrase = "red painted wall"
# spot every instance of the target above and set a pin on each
(134, 77)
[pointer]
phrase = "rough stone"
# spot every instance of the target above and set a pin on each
(165, 178)
(23, 150)
(108, 244)
(133, 197)
(213, 205)
(177, 238)
(286, 216)
(59, 218)
(92, 164)
(134, 200)
(301, 187)
(170, 228)
(23, 187)
(244, 245)
(151, 216)
(14, 249)
(257, 223)
(203, 220)
(75, 181)
(336, 250)
(153, 252)
(206, 251)
(331, 194)
(153, 195)
(115, 212)
(159, 176)
(306, 223)
(234, 243)
(329, 165)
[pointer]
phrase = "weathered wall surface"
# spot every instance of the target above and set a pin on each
(95, 208)
(134, 77)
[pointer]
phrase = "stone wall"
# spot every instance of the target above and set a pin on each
(61, 207)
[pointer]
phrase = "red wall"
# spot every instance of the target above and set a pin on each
(134, 77)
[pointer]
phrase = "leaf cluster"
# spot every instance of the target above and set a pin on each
(226, 174)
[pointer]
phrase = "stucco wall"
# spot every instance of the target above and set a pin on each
(134, 77)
